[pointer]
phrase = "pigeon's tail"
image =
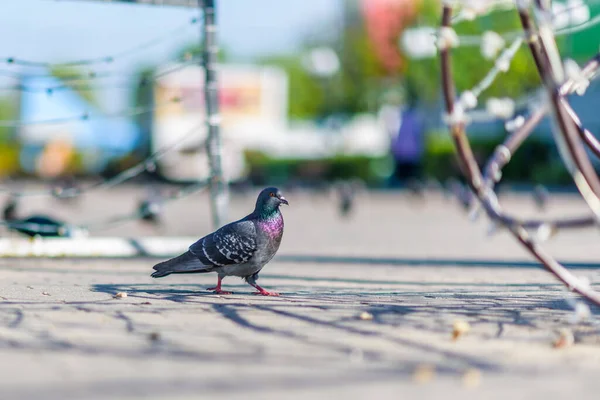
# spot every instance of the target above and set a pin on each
(185, 263)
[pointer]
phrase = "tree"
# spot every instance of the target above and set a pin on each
(350, 91)
(469, 66)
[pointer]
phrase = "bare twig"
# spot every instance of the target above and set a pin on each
(573, 149)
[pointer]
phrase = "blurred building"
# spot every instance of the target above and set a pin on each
(56, 125)
(252, 106)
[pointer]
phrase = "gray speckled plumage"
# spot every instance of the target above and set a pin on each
(241, 248)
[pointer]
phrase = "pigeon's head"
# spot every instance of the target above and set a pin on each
(269, 200)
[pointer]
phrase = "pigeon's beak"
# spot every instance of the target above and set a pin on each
(283, 200)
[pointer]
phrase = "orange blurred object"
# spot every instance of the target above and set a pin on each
(385, 20)
(55, 159)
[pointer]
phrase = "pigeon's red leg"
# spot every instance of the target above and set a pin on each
(217, 289)
(262, 291)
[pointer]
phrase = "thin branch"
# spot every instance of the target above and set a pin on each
(483, 193)
(549, 65)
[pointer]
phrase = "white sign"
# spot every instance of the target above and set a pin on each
(252, 103)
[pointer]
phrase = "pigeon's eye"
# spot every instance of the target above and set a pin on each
(272, 194)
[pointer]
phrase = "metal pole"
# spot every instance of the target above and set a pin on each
(219, 196)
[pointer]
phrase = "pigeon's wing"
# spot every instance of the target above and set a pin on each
(232, 244)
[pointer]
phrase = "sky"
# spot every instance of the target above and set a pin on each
(63, 30)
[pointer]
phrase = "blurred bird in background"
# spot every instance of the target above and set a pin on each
(540, 197)
(150, 208)
(38, 224)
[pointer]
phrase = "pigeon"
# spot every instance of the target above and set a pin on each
(540, 197)
(241, 248)
(37, 225)
(346, 193)
(150, 208)
(462, 193)
(66, 189)
(416, 188)
(10, 209)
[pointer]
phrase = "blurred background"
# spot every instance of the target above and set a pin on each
(310, 91)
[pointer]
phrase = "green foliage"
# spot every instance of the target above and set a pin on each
(362, 82)
(421, 78)
(583, 45)
(8, 111)
(535, 161)
(468, 65)
(362, 75)
(9, 159)
(352, 90)
(9, 148)
(264, 169)
(305, 94)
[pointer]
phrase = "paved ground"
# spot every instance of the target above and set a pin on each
(410, 268)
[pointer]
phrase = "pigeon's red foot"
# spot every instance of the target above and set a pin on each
(219, 291)
(265, 293)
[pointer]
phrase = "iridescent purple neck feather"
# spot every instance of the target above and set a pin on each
(271, 223)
